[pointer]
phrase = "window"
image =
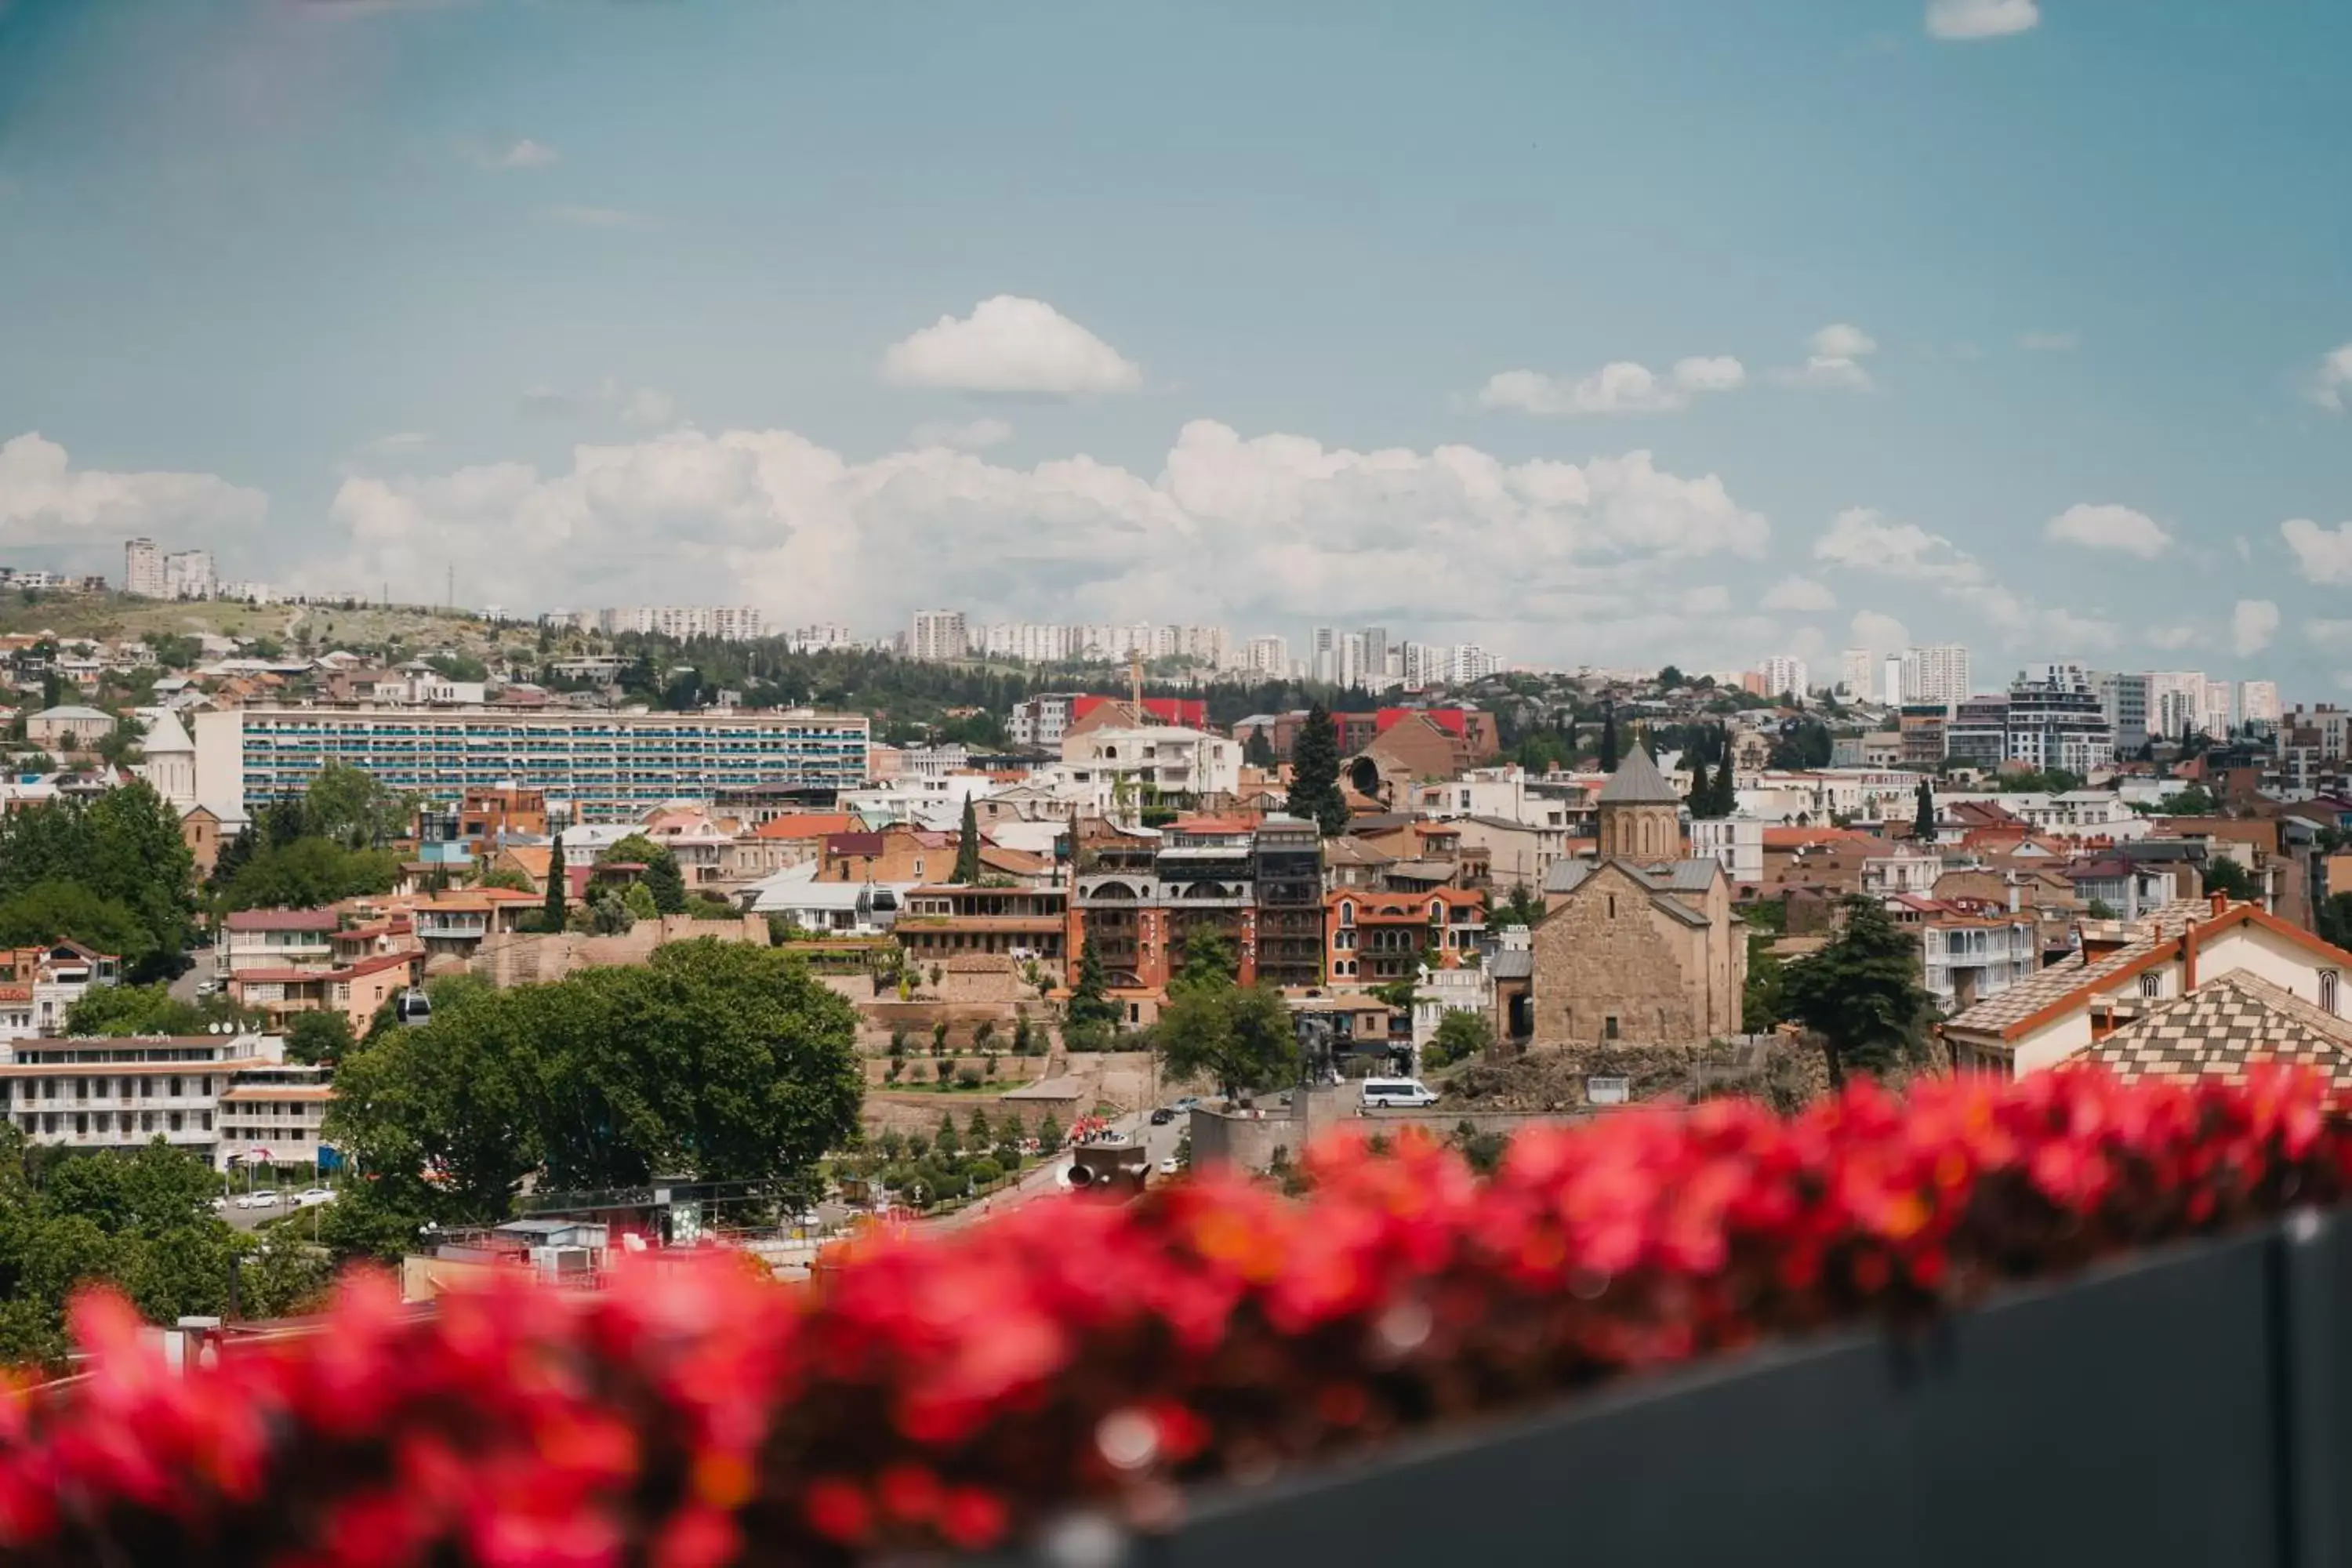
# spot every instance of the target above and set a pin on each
(1613, 915)
(2151, 984)
(1608, 1026)
(2327, 989)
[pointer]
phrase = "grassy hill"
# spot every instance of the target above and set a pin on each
(114, 615)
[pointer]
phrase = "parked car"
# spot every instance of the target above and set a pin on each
(1190, 1102)
(311, 1197)
(1168, 1166)
(1162, 1115)
(1409, 1093)
(261, 1198)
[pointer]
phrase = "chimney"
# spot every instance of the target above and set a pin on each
(2221, 902)
(2189, 957)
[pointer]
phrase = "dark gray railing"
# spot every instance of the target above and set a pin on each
(2189, 1408)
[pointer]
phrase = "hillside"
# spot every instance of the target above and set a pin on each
(115, 616)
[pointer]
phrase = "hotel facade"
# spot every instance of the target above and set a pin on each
(609, 766)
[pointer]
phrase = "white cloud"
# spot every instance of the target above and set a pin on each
(44, 497)
(2174, 637)
(2327, 384)
(1011, 345)
(1962, 20)
(595, 218)
(1711, 599)
(2050, 343)
(1621, 387)
(961, 436)
(2321, 554)
(2108, 527)
(1799, 594)
(2245, 547)
(1835, 362)
(1866, 539)
(1881, 634)
(2328, 634)
(1296, 529)
(2078, 633)
(398, 440)
(525, 153)
(649, 408)
(2252, 624)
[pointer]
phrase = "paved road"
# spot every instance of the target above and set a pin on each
(200, 969)
(1052, 1177)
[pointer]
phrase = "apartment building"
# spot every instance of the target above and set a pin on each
(1137, 898)
(938, 635)
(1152, 763)
(356, 987)
(1783, 676)
(1377, 937)
(610, 766)
(188, 574)
(728, 623)
(2123, 700)
(51, 979)
(1856, 666)
(251, 940)
(107, 1092)
(2257, 702)
(1937, 673)
(272, 1114)
(1971, 958)
(2056, 721)
(937, 922)
(142, 569)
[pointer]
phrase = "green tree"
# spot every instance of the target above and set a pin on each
(1239, 1036)
(1090, 1006)
(1209, 959)
(1609, 741)
(355, 810)
(665, 884)
(1259, 751)
(2223, 875)
(307, 873)
(504, 877)
(1763, 1003)
(322, 1034)
(1522, 908)
(638, 900)
(1315, 775)
(967, 860)
(1861, 992)
(552, 913)
(1923, 822)
(1461, 1035)
(133, 1010)
(61, 910)
(947, 1139)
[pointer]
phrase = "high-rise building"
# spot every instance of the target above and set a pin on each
(1891, 683)
(1323, 654)
(2257, 702)
(1376, 651)
(1352, 659)
(1784, 676)
(1855, 669)
(2176, 701)
(142, 570)
(2056, 721)
(188, 574)
(1267, 656)
(2216, 713)
(2123, 697)
(938, 635)
(1937, 673)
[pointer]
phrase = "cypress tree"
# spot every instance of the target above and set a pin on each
(1609, 741)
(967, 862)
(1923, 826)
(1315, 774)
(551, 911)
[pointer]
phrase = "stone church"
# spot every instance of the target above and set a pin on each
(1638, 941)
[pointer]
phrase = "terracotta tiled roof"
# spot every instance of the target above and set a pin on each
(2227, 1024)
(807, 825)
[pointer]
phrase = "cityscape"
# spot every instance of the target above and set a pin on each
(831, 784)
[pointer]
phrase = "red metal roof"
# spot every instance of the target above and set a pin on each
(282, 920)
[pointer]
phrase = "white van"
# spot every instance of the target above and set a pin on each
(1409, 1093)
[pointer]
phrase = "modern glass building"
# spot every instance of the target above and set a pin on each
(609, 766)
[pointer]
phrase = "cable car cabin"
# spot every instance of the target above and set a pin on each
(413, 1006)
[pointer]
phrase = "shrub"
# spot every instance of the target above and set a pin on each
(983, 1171)
(968, 1078)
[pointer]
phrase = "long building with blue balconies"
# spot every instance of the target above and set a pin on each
(608, 766)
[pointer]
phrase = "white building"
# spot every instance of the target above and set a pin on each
(188, 574)
(1891, 680)
(2176, 701)
(1735, 843)
(1120, 765)
(1784, 676)
(1938, 673)
(223, 1097)
(938, 635)
(1041, 721)
(142, 569)
(1033, 642)
(1267, 656)
(169, 758)
(1854, 667)
(2216, 712)
(2257, 702)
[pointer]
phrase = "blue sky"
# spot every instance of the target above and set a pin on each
(1610, 331)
